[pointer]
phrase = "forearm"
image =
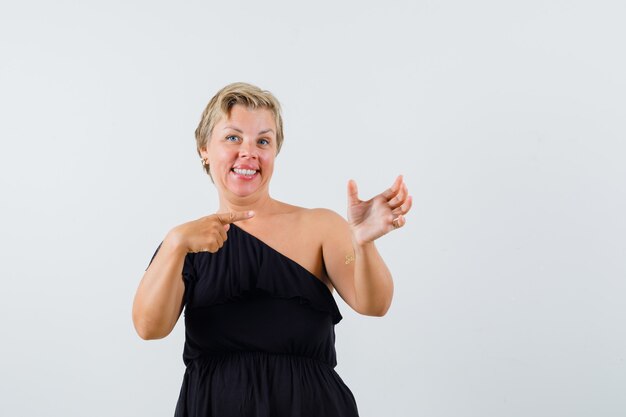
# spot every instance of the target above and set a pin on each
(372, 281)
(158, 300)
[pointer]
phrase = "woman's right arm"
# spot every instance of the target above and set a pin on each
(159, 298)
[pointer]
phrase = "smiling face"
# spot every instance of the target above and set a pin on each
(241, 152)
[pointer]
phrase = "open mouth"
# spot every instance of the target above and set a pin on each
(245, 173)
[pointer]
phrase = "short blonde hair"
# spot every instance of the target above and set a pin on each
(223, 101)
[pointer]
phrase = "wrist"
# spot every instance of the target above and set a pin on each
(359, 243)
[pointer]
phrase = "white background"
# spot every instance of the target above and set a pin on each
(506, 118)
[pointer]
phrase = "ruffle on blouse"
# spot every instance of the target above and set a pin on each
(245, 265)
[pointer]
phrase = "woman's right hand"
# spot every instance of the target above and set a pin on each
(208, 233)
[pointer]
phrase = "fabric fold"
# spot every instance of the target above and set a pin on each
(264, 269)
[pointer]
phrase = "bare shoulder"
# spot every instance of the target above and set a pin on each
(319, 224)
(323, 216)
(324, 222)
(316, 217)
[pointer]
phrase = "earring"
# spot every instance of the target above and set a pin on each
(205, 164)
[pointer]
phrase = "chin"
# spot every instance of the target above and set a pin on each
(241, 188)
(244, 190)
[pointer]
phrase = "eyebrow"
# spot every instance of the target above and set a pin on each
(262, 132)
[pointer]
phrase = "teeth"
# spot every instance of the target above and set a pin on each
(247, 172)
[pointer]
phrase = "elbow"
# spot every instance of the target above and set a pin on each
(147, 334)
(375, 310)
(377, 304)
(380, 312)
(147, 330)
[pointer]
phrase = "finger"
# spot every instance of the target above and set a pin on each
(353, 193)
(390, 192)
(399, 221)
(234, 216)
(222, 231)
(399, 199)
(405, 207)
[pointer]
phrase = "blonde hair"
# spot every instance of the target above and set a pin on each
(223, 101)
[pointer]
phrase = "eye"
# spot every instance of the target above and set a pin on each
(264, 142)
(232, 138)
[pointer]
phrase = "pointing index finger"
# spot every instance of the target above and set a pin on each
(234, 216)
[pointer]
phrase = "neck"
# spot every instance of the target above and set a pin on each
(261, 204)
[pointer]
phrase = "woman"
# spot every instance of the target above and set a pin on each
(256, 278)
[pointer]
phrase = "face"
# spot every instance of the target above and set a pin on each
(241, 151)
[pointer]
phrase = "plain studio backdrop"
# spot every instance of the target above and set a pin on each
(506, 118)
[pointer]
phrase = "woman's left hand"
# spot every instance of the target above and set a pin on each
(376, 217)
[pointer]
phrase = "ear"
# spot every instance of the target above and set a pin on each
(204, 151)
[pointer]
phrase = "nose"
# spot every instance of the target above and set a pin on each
(247, 149)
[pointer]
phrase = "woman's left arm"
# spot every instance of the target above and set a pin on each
(352, 261)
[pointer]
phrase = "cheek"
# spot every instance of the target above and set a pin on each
(268, 162)
(221, 156)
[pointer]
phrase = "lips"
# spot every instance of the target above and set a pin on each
(246, 172)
